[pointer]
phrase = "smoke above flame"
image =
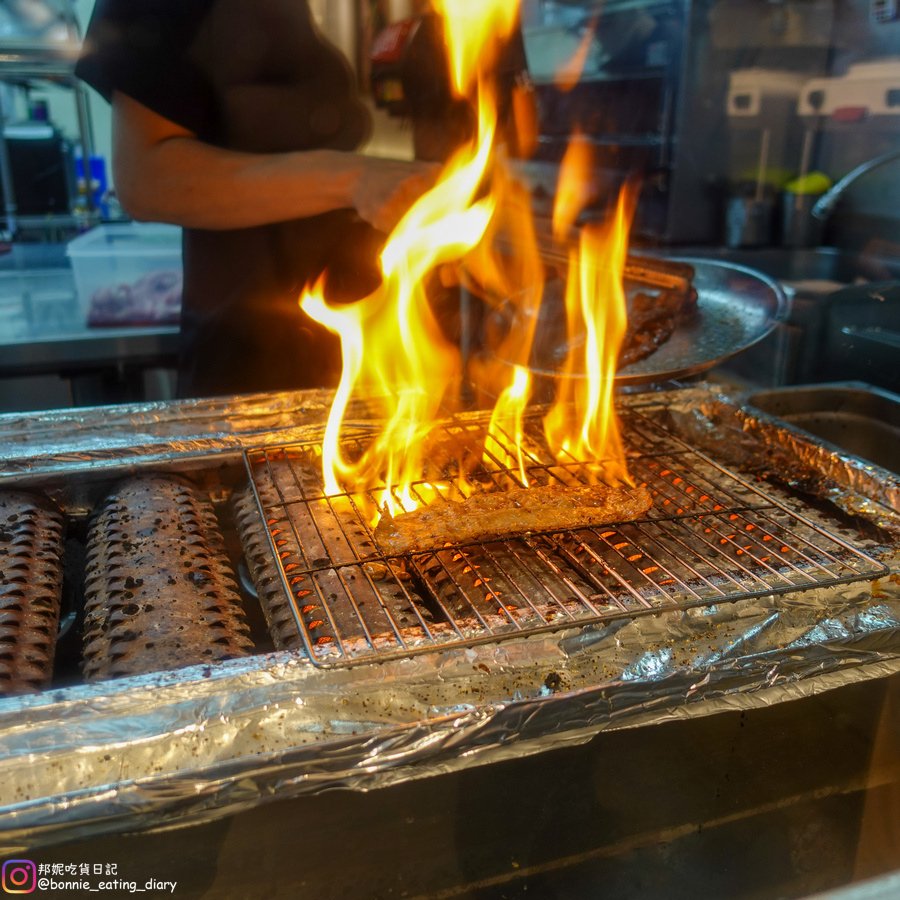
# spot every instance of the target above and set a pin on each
(477, 221)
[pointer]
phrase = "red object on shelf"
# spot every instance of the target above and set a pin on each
(390, 44)
(850, 113)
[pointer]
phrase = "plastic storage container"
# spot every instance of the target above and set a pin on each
(128, 274)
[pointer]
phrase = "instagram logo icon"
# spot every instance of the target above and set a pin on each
(19, 876)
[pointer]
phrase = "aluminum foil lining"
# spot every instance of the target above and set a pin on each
(773, 449)
(152, 434)
(159, 750)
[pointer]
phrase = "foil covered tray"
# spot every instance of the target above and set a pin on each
(171, 748)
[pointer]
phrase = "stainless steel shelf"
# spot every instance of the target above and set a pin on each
(25, 59)
(33, 60)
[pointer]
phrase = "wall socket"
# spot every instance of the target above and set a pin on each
(883, 11)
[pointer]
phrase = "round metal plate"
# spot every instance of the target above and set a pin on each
(736, 308)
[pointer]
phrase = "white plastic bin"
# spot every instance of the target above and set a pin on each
(128, 273)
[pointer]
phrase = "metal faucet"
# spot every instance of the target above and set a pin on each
(826, 203)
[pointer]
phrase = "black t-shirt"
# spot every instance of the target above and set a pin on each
(256, 77)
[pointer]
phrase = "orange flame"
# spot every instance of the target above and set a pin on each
(506, 430)
(572, 190)
(472, 30)
(393, 348)
(582, 424)
(478, 219)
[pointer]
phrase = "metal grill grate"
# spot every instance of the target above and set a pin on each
(709, 538)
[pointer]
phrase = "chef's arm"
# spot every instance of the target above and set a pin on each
(164, 173)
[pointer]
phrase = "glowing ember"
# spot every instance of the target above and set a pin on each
(395, 354)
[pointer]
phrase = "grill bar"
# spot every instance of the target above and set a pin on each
(711, 537)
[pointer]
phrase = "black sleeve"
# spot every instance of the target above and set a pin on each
(141, 48)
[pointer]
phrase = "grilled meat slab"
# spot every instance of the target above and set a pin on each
(652, 320)
(495, 515)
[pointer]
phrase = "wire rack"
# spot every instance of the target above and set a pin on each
(710, 537)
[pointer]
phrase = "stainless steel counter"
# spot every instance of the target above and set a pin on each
(42, 327)
(43, 335)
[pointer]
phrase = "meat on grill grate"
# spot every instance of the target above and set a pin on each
(519, 511)
(160, 592)
(31, 549)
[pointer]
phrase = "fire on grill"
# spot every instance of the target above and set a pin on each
(708, 538)
(396, 354)
(438, 527)
(431, 527)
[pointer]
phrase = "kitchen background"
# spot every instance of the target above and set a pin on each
(742, 117)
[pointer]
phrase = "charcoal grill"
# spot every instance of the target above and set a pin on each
(418, 672)
(711, 537)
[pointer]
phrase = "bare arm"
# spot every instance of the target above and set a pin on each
(163, 172)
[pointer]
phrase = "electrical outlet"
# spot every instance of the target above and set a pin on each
(883, 11)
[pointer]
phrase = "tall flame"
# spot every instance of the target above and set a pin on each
(569, 74)
(582, 423)
(477, 218)
(506, 430)
(472, 29)
(571, 192)
(392, 345)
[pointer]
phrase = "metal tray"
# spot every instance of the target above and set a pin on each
(710, 538)
(853, 417)
(182, 747)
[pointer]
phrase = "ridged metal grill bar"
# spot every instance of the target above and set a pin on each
(710, 537)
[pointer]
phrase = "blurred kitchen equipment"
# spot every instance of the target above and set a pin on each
(643, 99)
(750, 216)
(857, 118)
(678, 93)
(39, 43)
(43, 19)
(800, 228)
(856, 417)
(749, 221)
(762, 105)
(861, 335)
(386, 59)
(825, 205)
(42, 169)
